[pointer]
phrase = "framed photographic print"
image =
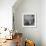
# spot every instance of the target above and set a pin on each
(29, 20)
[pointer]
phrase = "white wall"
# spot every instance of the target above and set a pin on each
(29, 6)
(26, 6)
(43, 22)
(6, 13)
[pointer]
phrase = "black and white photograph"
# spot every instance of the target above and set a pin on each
(29, 20)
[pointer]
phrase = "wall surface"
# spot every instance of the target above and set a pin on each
(29, 6)
(6, 13)
(37, 34)
(43, 22)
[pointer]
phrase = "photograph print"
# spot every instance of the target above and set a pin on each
(29, 20)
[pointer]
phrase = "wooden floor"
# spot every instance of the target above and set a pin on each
(9, 43)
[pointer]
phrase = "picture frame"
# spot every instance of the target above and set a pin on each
(29, 19)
